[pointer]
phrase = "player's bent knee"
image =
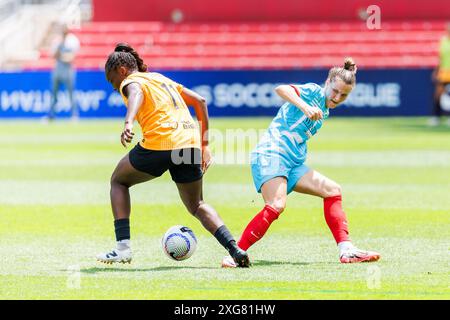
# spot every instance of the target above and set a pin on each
(113, 181)
(194, 208)
(278, 204)
(117, 182)
(333, 190)
(115, 185)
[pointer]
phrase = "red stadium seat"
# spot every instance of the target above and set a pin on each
(259, 45)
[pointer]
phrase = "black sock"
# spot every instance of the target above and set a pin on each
(122, 229)
(225, 238)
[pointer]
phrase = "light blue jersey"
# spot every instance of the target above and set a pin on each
(282, 150)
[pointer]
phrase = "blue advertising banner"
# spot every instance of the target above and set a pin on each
(383, 92)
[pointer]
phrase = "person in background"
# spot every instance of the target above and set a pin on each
(441, 78)
(65, 50)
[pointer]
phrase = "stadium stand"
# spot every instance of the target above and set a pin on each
(27, 25)
(296, 35)
(259, 45)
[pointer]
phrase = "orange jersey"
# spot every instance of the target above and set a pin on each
(163, 116)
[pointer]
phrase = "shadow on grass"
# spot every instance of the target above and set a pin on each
(255, 263)
(126, 269)
(264, 263)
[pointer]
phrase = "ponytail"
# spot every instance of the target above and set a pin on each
(125, 47)
(125, 55)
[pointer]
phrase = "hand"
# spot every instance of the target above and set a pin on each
(313, 113)
(206, 158)
(127, 134)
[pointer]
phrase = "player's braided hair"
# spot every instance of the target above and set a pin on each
(125, 55)
(346, 73)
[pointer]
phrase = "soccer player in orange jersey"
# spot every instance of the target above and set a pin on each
(171, 141)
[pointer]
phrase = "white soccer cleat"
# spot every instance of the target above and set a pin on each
(355, 255)
(115, 256)
(228, 262)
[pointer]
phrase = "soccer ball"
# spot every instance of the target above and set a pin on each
(179, 243)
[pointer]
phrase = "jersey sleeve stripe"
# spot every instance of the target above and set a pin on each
(296, 90)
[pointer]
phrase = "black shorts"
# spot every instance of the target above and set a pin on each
(184, 165)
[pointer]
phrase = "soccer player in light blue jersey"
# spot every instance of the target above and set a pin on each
(278, 161)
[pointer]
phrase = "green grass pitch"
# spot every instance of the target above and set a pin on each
(55, 217)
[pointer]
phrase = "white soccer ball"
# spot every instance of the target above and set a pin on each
(179, 243)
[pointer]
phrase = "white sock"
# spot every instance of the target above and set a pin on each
(123, 244)
(344, 246)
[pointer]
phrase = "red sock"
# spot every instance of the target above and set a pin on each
(256, 229)
(335, 218)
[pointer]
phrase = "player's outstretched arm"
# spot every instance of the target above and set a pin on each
(201, 112)
(291, 95)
